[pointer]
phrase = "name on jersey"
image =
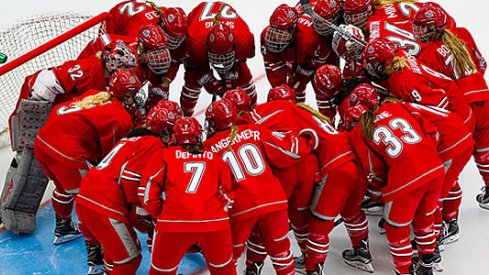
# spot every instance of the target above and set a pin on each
(381, 116)
(240, 136)
(186, 155)
(390, 11)
(306, 21)
(413, 64)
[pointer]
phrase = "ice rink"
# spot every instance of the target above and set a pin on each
(36, 255)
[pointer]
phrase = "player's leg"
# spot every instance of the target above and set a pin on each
(241, 231)
(274, 227)
(398, 215)
(217, 248)
(119, 240)
(62, 200)
(95, 259)
(168, 250)
(190, 90)
(423, 227)
(342, 193)
(481, 148)
(255, 252)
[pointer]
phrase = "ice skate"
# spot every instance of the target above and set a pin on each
(425, 265)
(300, 264)
(359, 257)
(256, 268)
(483, 198)
(381, 226)
(65, 231)
(372, 208)
(95, 259)
(317, 271)
(451, 232)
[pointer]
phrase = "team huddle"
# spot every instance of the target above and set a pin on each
(400, 95)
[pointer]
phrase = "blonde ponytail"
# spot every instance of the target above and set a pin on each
(93, 100)
(462, 63)
(155, 7)
(398, 63)
(367, 124)
(380, 3)
(232, 135)
(313, 112)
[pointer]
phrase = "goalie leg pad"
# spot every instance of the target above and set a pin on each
(23, 193)
(29, 117)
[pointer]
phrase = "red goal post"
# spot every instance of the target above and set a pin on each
(40, 42)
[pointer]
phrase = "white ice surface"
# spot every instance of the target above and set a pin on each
(464, 257)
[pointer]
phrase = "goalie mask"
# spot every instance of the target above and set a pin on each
(187, 130)
(221, 48)
(175, 24)
(124, 85)
(280, 33)
(118, 55)
(328, 10)
(347, 49)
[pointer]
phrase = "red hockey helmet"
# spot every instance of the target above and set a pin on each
(221, 48)
(174, 22)
(161, 120)
(428, 22)
(329, 10)
(352, 116)
(282, 92)
(124, 85)
(220, 115)
(117, 55)
(280, 33)
(240, 98)
(170, 105)
(357, 12)
(378, 54)
(364, 94)
(151, 37)
(187, 130)
(347, 49)
(327, 80)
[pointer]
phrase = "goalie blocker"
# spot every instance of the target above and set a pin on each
(25, 182)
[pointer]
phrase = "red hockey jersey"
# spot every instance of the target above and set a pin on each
(249, 156)
(400, 157)
(111, 188)
(454, 137)
(282, 115)
(76, 135)
(129, 16)
(438, 56)
(182, 190)
(412, 85)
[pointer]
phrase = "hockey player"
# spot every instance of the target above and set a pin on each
(128, 16)
(245, 148)
(278, 45)
(328, 86)
(404, 77)
(454, 53)
(190, 207)
(108, 198)
(88, 127)
(387, 139)
(313, 46)
(217, 40)
(240, 99)
(337, 196)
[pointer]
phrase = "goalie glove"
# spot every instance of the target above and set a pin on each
(46, 87)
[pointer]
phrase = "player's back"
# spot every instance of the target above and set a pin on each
(201, 20)
(249, 151)
(114, 182)
(129, 16)
(191, 188)
(400, 142)
(86, 131)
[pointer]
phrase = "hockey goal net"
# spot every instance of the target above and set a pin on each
(40, 42)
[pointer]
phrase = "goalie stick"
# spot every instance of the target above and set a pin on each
(306, 6)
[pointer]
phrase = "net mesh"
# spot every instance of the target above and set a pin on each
(28, 34)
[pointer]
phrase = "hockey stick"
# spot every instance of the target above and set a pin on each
(306, 6)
